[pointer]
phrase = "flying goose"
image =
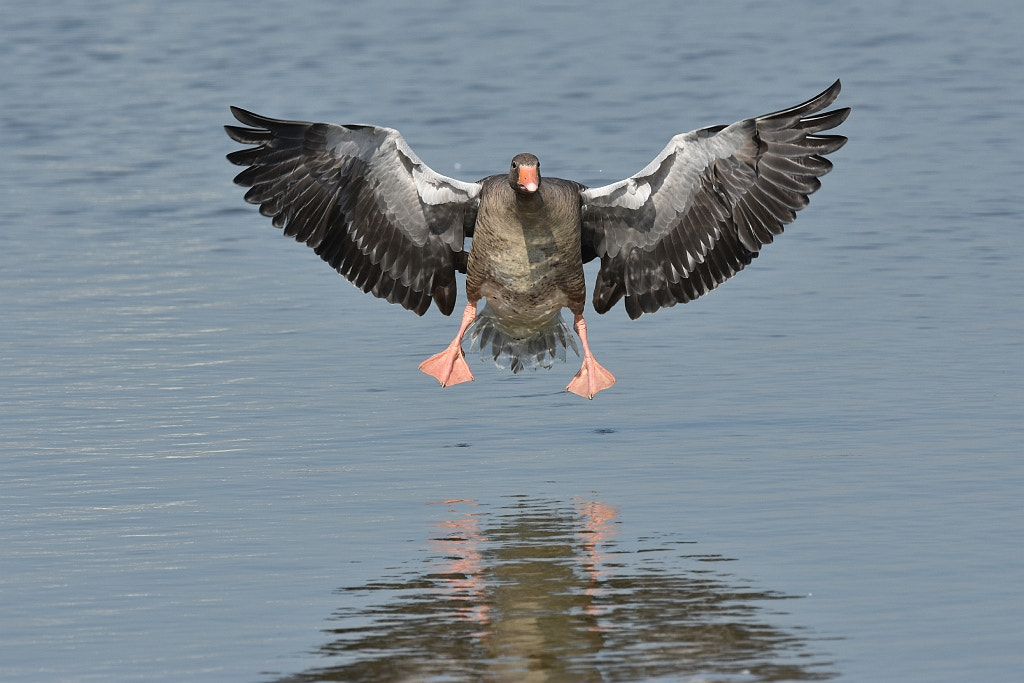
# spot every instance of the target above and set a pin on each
(688, 221)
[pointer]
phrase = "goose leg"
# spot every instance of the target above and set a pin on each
(591, 378)
(449, 367)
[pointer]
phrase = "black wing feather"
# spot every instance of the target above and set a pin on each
(702, 210)
(363, 201)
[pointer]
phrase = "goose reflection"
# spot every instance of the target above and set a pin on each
(540, 590)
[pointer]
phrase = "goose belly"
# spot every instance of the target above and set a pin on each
(524, 283)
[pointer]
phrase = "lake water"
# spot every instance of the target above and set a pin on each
(218, 461)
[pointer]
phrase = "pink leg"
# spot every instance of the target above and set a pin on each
(449, 367)
(591, 378)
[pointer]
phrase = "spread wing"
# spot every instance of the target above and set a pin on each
(362, 199)
(701, 211)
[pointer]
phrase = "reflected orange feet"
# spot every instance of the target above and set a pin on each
(448, 367)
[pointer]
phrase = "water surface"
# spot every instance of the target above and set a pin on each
(219, 462)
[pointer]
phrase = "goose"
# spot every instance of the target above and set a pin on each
(688, 221)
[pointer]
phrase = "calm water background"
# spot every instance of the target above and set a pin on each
(219, 461)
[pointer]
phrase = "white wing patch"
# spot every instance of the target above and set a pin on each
(432, 187)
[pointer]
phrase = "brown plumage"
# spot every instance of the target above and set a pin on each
(694, 217)
(518, 262)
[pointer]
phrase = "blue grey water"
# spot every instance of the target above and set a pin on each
(218, 461)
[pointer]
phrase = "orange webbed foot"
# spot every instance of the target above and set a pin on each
(448, 367)
(591, 379)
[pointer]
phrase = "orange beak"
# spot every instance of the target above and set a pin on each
(529, 178)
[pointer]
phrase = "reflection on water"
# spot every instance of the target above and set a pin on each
(540, 590)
